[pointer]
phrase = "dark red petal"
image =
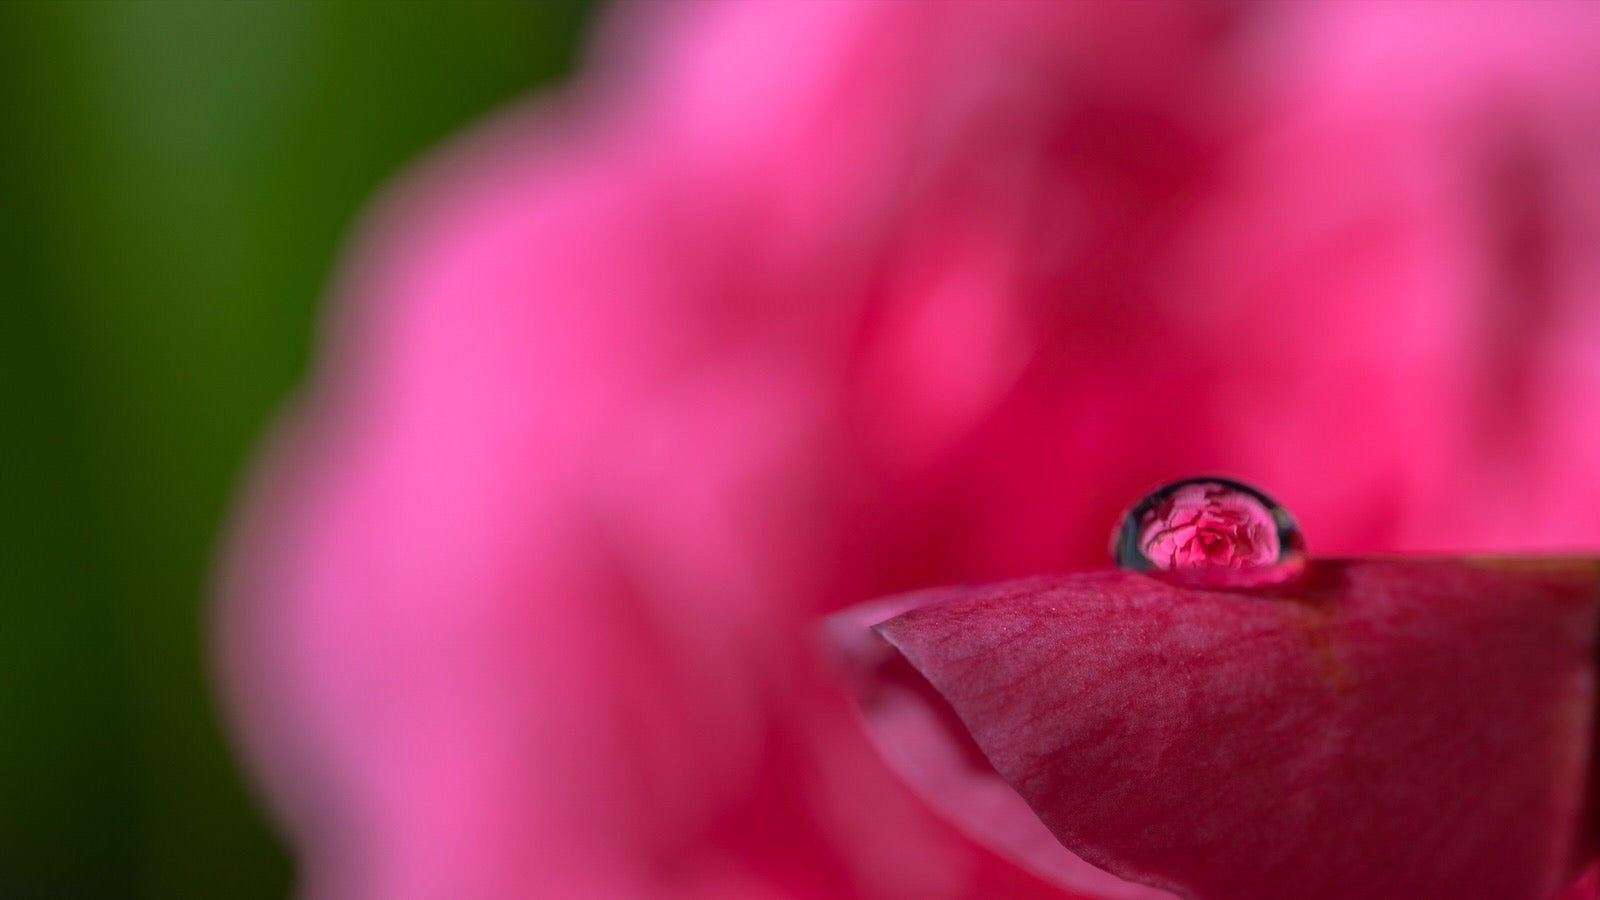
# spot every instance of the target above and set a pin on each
(1377, 730)
(926, 744)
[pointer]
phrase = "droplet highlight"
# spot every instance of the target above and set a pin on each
(1210, 530)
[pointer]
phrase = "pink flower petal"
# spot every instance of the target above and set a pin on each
(1380, 730)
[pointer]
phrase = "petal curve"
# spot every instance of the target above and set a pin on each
(1380, 729)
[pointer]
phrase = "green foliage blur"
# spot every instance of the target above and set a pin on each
(176, 179)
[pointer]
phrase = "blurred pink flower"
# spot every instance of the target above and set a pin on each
(786, 306)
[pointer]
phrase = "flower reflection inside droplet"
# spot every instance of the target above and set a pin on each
(1206, 524)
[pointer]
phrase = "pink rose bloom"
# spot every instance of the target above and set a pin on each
(1208, 525)
(782, 307)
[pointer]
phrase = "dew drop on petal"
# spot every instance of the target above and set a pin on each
(1209, 530)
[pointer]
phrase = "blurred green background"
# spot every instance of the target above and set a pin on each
(176, 179)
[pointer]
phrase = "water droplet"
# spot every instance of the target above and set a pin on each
(1212, 531)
